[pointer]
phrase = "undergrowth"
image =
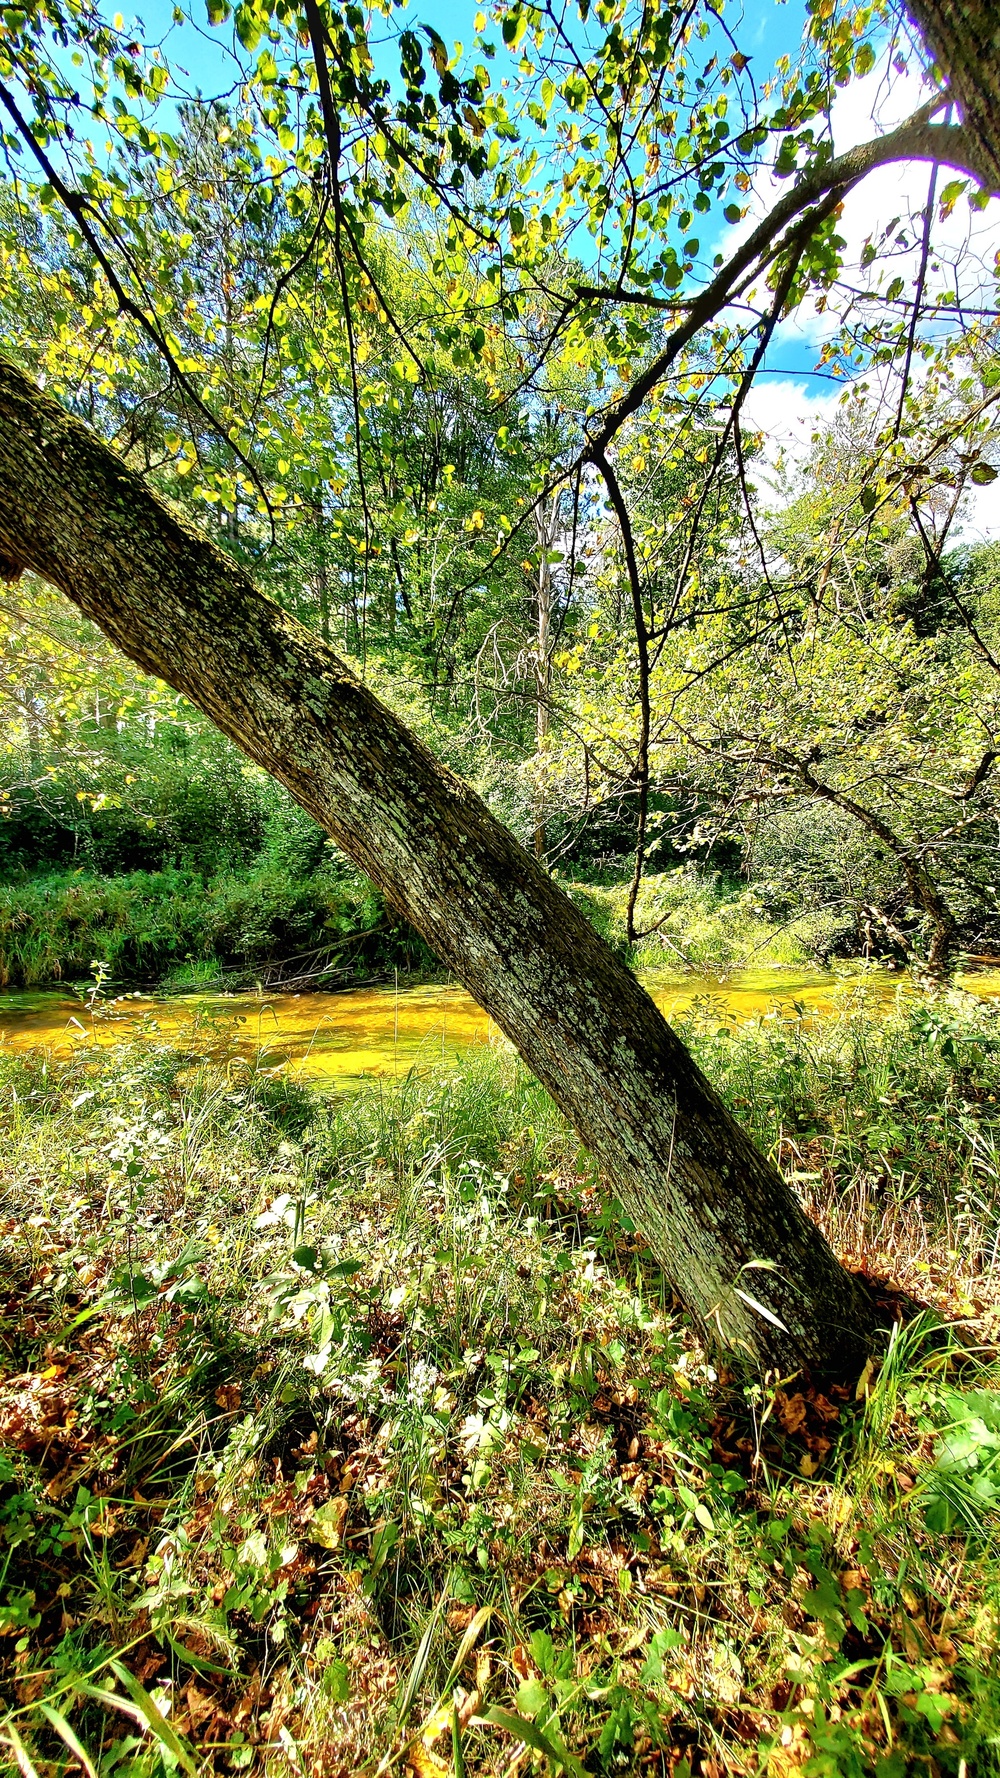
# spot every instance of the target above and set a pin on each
(183, 929)
(361, 1434)
(696, 920)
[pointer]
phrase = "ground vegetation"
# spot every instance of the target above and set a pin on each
(365, 1433)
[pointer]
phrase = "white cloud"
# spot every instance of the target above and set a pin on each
(964, 245)
(789, 413)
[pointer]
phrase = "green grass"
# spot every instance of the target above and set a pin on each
(361, 1433)
(183, 930)
(695, 921)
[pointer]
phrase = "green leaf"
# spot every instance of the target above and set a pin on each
(983, 474)
(514, 28)
(532, 1698)
(661, 1643)
(336, 1682)
(346, 1268)
(934, 1707)
(525, 1731)
(247, 27)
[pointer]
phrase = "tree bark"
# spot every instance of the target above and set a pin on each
(732, 1239)
(964, 38)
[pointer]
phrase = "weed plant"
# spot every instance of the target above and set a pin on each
(361, 1434)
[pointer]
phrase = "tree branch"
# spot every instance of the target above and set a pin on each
(917, 139)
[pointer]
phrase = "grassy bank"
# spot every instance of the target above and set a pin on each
(181, 929)
(698, 921)
(361, 1434)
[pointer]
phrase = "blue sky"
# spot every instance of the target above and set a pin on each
(769, 29)
(766, 30)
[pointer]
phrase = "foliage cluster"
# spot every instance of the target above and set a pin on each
(465, 383)
(175, 928)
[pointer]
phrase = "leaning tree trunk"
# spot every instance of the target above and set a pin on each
(964, 39)
(732, 1239)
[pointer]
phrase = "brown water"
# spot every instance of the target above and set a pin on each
(336, 1038)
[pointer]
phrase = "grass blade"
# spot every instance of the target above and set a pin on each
(20, 1752)
(457, 1756)
(466, 1645)
(525, 1731)
(419, 1667)
(155, 1720)
(68, 1734)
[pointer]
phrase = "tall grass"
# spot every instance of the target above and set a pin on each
(363, 1434)
(697, 920)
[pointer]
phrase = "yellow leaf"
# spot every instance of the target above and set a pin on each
(327, 1526)
(424, 1764)
(437, 1724)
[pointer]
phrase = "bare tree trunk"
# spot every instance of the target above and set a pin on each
(964, 39)
(732, 1239)
(322, 574)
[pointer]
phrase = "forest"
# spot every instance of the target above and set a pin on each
(500, 888)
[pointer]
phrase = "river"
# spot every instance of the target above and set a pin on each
(335, 1038)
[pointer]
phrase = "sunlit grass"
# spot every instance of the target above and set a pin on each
(697, 920)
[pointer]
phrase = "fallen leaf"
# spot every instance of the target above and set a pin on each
(424, 1764)
(327, 1524)
(790, 1410)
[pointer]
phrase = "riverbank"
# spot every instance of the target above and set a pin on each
(334, 1038)
(179, 930)
(364, 1430)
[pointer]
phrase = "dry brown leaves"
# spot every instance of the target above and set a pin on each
(38, 1411)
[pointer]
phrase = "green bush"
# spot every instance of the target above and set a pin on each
(190, 930)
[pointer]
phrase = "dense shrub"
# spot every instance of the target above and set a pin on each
(186, 928)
